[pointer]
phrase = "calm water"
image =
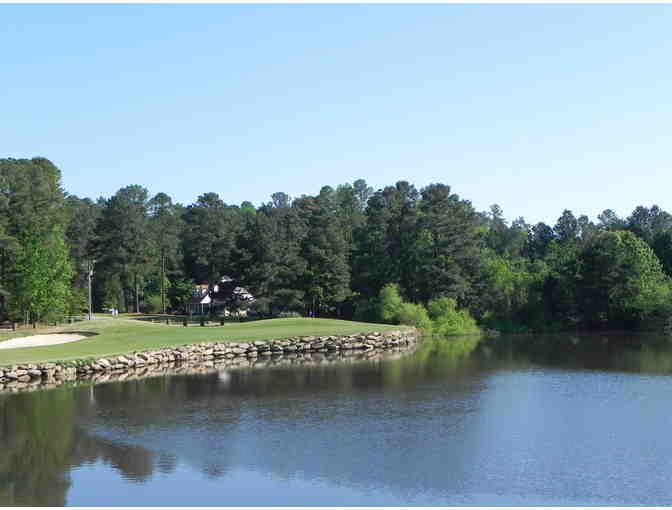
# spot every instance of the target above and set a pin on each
(556, 421)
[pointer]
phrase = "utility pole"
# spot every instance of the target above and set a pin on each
(90, 275)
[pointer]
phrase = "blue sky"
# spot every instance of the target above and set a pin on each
(534, 107)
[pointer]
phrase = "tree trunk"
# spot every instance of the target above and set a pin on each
(163, 277)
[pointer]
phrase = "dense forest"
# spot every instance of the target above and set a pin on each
(339, 253)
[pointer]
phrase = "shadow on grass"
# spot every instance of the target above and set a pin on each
(73, 332)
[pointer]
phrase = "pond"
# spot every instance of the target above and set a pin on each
(566, 420)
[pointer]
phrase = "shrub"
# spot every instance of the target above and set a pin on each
(152, 304)
(389, 303)
(411, 314)
(448, 320)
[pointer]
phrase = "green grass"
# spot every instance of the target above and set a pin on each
(120, 336)
(42, 330)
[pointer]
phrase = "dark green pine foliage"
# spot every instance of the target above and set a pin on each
(567, 228)
(662, 247)
(538, 241)
(646, 222)
(561, 287)
(326, 281)
(609, 220)
(385, 243)
(448, 248)
(123, 249)
(209, 237)
(82, 216)
(165, 225)
(276, 269)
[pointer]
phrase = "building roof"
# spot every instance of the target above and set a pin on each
(200, 300)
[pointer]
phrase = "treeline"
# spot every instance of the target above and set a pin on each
(331, 254)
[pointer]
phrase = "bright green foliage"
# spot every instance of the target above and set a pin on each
(42, 277)
(413, 314)
(389, 302)
(515, 295)
(622, 280)
(34, 266)
(448, 320)
(443, 317)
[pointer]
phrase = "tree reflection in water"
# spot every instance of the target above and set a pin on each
(220, 423)
(46, 434)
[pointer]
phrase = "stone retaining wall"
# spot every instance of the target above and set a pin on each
(204, 357)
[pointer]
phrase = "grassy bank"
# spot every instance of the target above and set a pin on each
(120, 336)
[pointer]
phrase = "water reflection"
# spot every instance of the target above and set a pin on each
(644, 353)
(507, 421)
(41, 442)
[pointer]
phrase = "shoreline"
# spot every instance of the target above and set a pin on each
(208, 355)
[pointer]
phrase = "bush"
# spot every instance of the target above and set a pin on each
(411, 314)
(152, 304)
(389, 303)
(448, 320)
(441, 317)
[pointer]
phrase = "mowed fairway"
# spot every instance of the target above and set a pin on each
(120, 336)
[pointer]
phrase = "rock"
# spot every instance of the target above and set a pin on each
(205, 357)
(104, 363)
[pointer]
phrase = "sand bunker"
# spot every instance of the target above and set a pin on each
(40, 340)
